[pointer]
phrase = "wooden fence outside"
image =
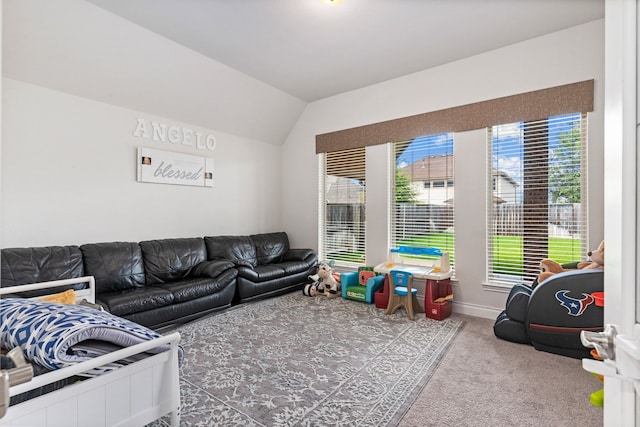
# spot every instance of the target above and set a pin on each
(345, 222)
(564, 219)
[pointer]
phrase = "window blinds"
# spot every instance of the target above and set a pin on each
(342, 206)
(537, 196)
(423, 193)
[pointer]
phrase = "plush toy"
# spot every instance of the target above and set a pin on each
(310, 290)
(328, 282)
(324, 282)
(548, 268)
(596, 256)
(315, 287)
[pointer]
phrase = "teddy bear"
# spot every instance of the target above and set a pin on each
(596, 256)
(549, 267)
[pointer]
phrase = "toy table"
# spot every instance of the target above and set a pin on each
(436, 272)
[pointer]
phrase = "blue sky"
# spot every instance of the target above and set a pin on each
(509, 137)
(424, 146)
(509, 159)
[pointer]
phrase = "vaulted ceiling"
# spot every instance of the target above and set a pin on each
(313, 49)
(249, 67)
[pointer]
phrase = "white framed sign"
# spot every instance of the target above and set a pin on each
(167, 167)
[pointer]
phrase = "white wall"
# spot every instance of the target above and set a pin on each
(69, 176)
(76, 78)
(568, 56)
(79, 48)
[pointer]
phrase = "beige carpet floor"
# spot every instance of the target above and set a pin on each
(486, 381)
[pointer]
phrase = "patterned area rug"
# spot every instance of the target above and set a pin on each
(299, 361)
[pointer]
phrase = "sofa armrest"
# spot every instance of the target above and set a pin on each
(346, 280)
(373, 284)
(211, 269)
(298, 255)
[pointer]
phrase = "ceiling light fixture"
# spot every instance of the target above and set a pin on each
(331, 1)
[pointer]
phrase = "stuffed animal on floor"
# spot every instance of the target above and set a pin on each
(315, 287)
(310, 290)
(596, 256)
(325, 282)
(330, 285)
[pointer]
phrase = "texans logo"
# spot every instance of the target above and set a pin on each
(575, 306)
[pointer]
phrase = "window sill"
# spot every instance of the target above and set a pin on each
(502, 288)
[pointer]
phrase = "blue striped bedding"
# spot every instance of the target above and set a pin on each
(58, 335)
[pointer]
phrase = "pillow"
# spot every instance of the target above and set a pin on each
(66, 297)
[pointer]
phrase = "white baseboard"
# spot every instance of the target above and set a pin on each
(476, 310)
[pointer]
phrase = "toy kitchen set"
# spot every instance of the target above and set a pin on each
(431, 273)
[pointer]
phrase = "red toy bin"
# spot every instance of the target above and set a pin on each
(435, 289)
(381, 296)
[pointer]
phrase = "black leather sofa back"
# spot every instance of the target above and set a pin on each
(249, 251)
(116, 266)
(168, 260)
(270, 247)
(239, 249)
(21, 266)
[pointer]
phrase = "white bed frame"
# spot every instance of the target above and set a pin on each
(133, 395)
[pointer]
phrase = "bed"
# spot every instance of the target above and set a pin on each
(110, 393)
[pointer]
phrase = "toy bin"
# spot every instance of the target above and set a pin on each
(381, 297)
(435, 290)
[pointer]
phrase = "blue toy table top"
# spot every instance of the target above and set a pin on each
(417, 251)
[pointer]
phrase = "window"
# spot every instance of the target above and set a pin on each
(342, 206)
(423, 214)
(536, 195)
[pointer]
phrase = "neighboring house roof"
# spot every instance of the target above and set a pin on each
(343, 190)
(440, 167)
(430, 168)
(506, 176)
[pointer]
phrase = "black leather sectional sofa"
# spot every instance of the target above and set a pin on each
(266, 265)
(161, 282)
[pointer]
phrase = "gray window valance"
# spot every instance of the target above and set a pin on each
(535, 105)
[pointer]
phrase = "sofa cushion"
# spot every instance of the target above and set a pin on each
(261, 273)
(270, 247)
(188, 289)
(21, 266)
(292, 267)
(169, 260)
(239, 249)
(135, 300)
(116, 266)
